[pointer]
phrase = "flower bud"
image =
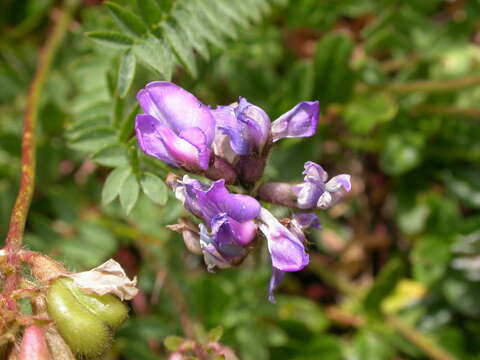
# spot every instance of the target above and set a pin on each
(84, 320)
(34, 345)
(107, 308)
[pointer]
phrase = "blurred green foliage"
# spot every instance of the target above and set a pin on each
(396, 264)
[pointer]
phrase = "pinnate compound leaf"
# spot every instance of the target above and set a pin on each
(154, 188)
(114, 183)
(126, 73)
(110, 38)
(127, 19)
(112, 155)
(129, 193)
(150, 11)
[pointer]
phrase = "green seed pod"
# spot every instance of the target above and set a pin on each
(85, 333)
(107, 308)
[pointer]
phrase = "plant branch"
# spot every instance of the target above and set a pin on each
(417, 338)
(18, 217)
(434, 85)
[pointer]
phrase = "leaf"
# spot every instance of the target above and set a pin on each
(127, 19)
(213, 18)
(194, 38)
(126, 73)
(334, 77)
(113, 39)
(155, 54)
(126, 127)
(173, 343)
(149, 11)
(94, 140)
(114, 183)
(112, 155)
(181, 47)
(464, 184)
(154, 188)
(362, 114)
(462, 295)
(430, 258)
(385, 282)
(215, 334)
(303, 311)
(129, 193)
(403, 152)
(197, 23)
(371, 345)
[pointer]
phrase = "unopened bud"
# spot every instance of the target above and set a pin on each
(34, 345)
(189, 231)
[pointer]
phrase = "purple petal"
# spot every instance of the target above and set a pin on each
(314, 173)
(286, 250)
(187, 194)
(306, 220)
(223, 149)
(325, 200)
(308, 194)
(176, 108)
(301, 121)
(256, 120)
(275, 280)
(187, 155)
(217, 199)
(301, 222)
(337, 182)
(237, 132)
(210, 253)
(247, 126)
(148, 139)
(230, 236)
(221, 247)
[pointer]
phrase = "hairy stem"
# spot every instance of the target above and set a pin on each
(18, 217)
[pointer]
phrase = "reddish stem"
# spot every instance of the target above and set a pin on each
(27, 178)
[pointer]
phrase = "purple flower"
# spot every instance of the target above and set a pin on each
(176, 127)
(285, 245)
(229, 217)
(249, 127)
(316, 191)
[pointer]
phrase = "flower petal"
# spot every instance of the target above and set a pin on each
(217, 199)
(301, 121)
(146, 129)
(275, 280)
(314, 173)
(256, 120)
(306, 220)
(176, 108)
(187, 155)
(286, 250)
(228, 124)
(337, 182)
(308, 195)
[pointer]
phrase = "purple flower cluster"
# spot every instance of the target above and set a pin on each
(230, 144)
